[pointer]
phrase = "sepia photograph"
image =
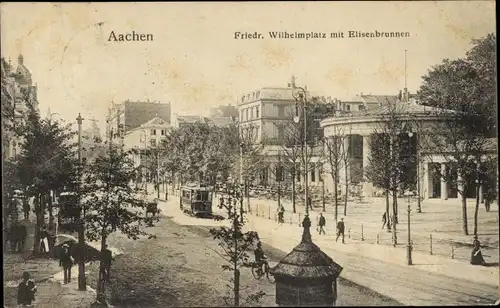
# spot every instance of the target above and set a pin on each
(249, 154)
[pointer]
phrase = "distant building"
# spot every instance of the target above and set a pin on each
(129, 115)
(147, 136)
(220, 121)
(229, 111)
(179, 121)
(18, 93)
(92, 145)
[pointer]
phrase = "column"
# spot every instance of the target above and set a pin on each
(367, 185)
(346, 173)
(444, 182)
(427, 188)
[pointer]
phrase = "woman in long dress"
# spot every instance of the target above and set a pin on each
(476, 257)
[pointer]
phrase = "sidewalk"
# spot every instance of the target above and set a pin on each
(432, 280)
(47, 275)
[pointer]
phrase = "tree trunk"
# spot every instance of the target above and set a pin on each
(387, 208)
(464, 213)
(336, 197)
(346, 186)
(395, 205)
(39, 222)
(293, 190)
(394, 231)
(100, 282)
(51, 215)
(476, 210)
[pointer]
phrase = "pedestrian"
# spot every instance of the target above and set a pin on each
(221, 202)
(106, 258)
(309, 202)
(66, 261)
(44, 242)
(26, 209)
(340, 230)
(476, 254)
(26, 291)
(384, 219)
(322, 223)
(281, 214)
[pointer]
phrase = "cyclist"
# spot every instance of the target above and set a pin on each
(260, 258)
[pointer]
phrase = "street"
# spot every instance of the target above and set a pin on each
(181, 268)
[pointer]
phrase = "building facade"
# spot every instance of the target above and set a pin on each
(356, 130)
(129, 115)
(18, 93)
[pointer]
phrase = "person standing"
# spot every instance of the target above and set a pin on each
(281, 214)
(340, 230)
(26, 209)
(44, 243)
(106, 257)
(66, 261)
(322, 223)
(26, 291)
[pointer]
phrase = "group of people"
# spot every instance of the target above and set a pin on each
(340, 227)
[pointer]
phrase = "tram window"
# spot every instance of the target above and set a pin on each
(199, 196)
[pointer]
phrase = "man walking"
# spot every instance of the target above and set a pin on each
(281, 214)
(66, 261)
(26, 209)
(322, 223)
(340, 230)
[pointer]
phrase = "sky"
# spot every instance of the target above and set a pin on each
(195, 63)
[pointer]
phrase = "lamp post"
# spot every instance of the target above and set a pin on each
(82, 285)
(409, 194)
(241, 182)
(302, 100)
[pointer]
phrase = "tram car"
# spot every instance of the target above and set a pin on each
(196, 200)
(69, 211)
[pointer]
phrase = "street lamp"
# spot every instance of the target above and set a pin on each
(82, 284)
(409, 194)
(241, 181)
(302, 100)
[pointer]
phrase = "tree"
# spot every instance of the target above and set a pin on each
(235, 244)
(47, 162)
(334, 155)
(109, 203)
(464, 92)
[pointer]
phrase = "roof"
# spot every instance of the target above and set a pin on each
(138, 113)
(190, 119)
(269, 93)
(307, 260)
(219, 121)
(156, 122)
(398, 107)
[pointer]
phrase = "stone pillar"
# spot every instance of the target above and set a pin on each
(444, 182)
(427, 181)
(367, 185)
(346, 175)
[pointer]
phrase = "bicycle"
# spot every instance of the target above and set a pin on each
(258, 273)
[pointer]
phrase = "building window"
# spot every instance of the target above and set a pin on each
(361, 107)
(152, 142)
(281, 111)
(163, 132)
(257, 111)
(251, 113)
(246, 114)
(281, 131)
(241, 115)
(153, 132)
(348, 107)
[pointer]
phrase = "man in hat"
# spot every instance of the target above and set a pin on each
(260, 257)
(321, 223)
(26, 291)
(66, 261)
(340, 230)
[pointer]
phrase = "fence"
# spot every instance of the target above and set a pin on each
(424, 243)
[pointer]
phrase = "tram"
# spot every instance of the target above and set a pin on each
(196, 200)
(69, 211)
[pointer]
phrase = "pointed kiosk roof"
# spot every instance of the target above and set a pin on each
(307, 260)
